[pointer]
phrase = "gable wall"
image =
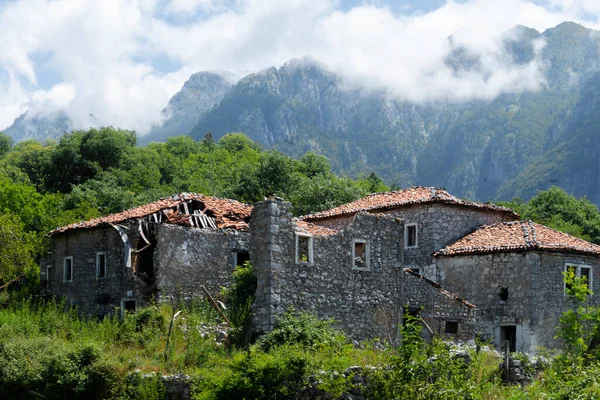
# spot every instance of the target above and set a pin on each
(366, 304)
(439, 225)
(85, 291)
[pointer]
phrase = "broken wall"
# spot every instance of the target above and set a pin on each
(443, 314)
(367, 303)
(187, 258)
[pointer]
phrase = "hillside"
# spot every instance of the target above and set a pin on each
(511, 145)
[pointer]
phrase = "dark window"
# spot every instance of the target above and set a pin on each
(48, 278)
(100, 265)
(451, 327)
(129, 305)
(241, 257)
(503, 294)
(411, 235)
(68, 269)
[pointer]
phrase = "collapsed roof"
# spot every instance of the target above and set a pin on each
(400, 198)
(188, 209)
(517, 236)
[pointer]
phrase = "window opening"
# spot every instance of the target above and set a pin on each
(129, 305)
(508, 332)
(100, 266)
(48, 279)
(580, 271)
(68, 269)
(410, 233)
(241, 257)
(416, 270)
(451, 327)
(144, 259)
(304, 249)
(360, 254)
(503, 294)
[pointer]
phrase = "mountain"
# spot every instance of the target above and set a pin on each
(485, 149)
(39, 127)
(512, 145)
(198, 95)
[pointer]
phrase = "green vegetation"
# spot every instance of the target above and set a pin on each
(101, 171)
(559, 210)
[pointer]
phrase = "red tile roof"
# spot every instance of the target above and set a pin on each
(313, 229)
(517, 236)
(400, 198)
(439, 288)
(227, 213)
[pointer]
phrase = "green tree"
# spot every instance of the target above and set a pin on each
(5, 144)
(18, 251)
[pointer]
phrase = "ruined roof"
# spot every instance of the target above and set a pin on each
(223, 213)
(400, 198)
(517, 236)
(439, 288)
(313, 229)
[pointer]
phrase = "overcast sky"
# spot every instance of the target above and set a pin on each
(117, 62)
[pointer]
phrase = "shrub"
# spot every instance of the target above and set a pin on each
(304, 329)
(240, 297)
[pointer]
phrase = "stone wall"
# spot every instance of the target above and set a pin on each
(187, 258)
(532, 282)
(365, 302)
(437, 307)
(439, 225)
(85, 290)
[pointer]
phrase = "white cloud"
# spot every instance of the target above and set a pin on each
(98, 49)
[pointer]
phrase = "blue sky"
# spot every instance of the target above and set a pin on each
(121, 60)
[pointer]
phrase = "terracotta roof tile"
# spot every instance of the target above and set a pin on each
(227, 213)
(439, 288)
(414, 195)
(313, 229)
(517, 236)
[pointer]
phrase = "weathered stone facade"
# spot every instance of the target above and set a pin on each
(443, 314)
(524, 290)
(366, 302)
(186, 259)
(85, 289)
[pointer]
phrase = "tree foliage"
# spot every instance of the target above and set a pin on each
(559, 210)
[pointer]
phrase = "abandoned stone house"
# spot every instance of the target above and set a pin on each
(365, 264)
(171, 246)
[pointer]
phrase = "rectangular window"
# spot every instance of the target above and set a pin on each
(48, 278)
(360, 254)
(451, 327)
(240, 257)
(410, 235)
(581, 271)
(100, 265)
(68, 269)
(304, 249)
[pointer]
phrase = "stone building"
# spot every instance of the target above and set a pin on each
(352, 272)
(513, 271)
(365, 264)
(433, 218)
(171, 246)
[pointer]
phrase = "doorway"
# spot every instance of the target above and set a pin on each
(509, 333)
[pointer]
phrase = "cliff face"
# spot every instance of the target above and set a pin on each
(198, 95)
(39, 127)
(512, 145)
